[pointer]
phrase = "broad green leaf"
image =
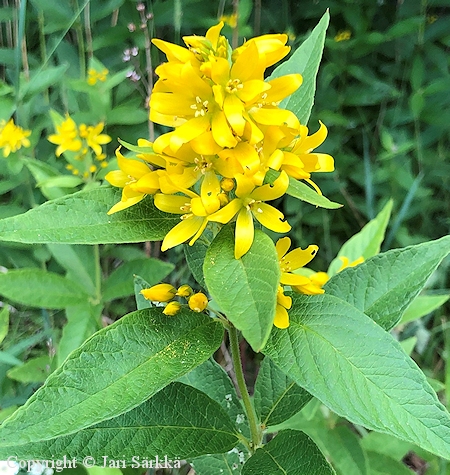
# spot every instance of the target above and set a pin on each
(230, 463)
(128, 115)
(113, 372)
(120, 282)
(81, 219)
(141, 284)
(359, 371)
(212, 379)
(195, 255)
(290, 452)
(386, 284)
(366, 243)
(43, 79)
(4, 323)
(408, 345)
(83, 320)
(62, 181)
(38, 288)
(382, 465)
(303, 192)
(305, 61)
(179, 421)
(79, 262)
(8, 359)
(387, 445)
(245, 288)
(35, 370)
(421, 306)
(277, 397)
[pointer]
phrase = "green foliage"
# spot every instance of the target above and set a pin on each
(236, 284)
(327, 333)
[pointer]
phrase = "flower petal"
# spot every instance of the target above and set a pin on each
(172, 203)
(282, 246)
(281, 317)
(271, 218)
(182, 232)
(271, 192)
(300, 257)
(244, 233)
(228, 212)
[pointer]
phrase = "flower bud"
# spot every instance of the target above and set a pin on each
(198, 302)
(160, 293)
(172, 308)
(185, 291)
(227, 184)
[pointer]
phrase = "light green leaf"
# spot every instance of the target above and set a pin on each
(423, 305)
(387, 445)
(382, 465)
(277, 397)
(303, 192)
(359, 371)
(141, 284)
(126, 115)
(366, 243)
(386, 284)
(4, 323)
(195, 255)
(39, 288)
(224, 464)
(79, 262)
(42, 79)
(81, 219)
(120, 282)
(305, 61)
(290, 452)
(83, 320)
(245, 288)
(9, 359)
(212, 379)
(62, 181)
(408, 345)
(35, 370)
(179, 421)
(113, 372)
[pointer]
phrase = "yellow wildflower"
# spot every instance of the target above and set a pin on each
(12, 137)
(172, 308)
(94, 138)
(160, 293)
(284, 303)
(94, 76)
(230, 20)
(198, 302)
(185, 291)
(343, 35)
(249, 203)
(136, 179)
(66, 137)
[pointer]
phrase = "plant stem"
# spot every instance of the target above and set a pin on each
(255, 429)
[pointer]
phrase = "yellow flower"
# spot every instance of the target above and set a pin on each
(94, 138)
(136, 179)
(230, 20)
(198, 302)
(185, 291)
(66, 137)
(343, 35)
(284, 303)
(160, 293)
(249, 203)
(13, 137)
(172, 308)
(94, 76)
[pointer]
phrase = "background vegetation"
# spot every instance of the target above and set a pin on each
(383, 92)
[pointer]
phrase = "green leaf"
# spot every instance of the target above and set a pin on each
(290, 452)
(4, 323)
(39, 288)
(195, 255)
(120, 282)
(212, 379)
(277, 397)
(81, 219)
(303, 192)
(141, 284)
(305, 61)
(359, 371)
(247, 299)
(126, 115)
(83, 320)
(385, 285)
(423, 305)
(43, 79)
(113, 372)
(229, 463)
(179, 421)
(9, 359)
(366, 243)
(387, 445)
(382, 465)
(79, 262)
(35, 370)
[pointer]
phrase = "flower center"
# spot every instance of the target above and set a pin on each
(200, 107)
(233, 85)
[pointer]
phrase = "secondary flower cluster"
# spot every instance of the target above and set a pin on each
(85, 141)
(166, 293)
(12, 137)
(228, 132)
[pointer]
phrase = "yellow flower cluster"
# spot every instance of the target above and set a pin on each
(12, 137)
(81, 140)
(167, 292)
(343, 35)
(94, 76)
(228, 132)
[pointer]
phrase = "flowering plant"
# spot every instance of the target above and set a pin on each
(147, 384)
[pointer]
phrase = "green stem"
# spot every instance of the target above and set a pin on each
(255, 429)
(98, 273)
